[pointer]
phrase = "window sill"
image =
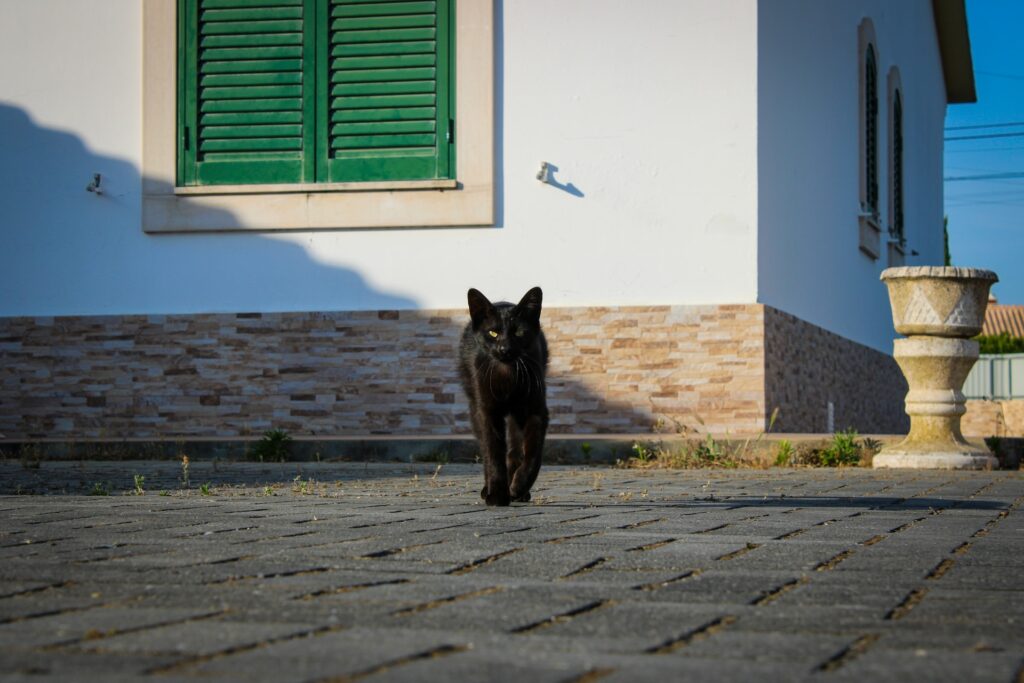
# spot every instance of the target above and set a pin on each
(273, 208)
(897, 253)
(304, 188)
(870, 235)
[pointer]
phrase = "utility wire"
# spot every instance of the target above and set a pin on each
(984, 176)
(1008, 124)
(986, 136)
(1012, 77)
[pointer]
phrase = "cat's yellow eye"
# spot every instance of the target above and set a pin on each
(493, 333)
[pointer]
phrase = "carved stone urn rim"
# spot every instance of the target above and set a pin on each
(940, 272)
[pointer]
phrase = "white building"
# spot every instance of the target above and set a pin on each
(720, 204)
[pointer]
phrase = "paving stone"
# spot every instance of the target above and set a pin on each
(383, 572)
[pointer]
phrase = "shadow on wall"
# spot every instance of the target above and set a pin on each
(69, 250)
(138, 351)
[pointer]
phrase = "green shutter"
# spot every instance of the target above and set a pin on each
(386, 109)
(871, 131)
(288, 91)
(247, 97)
(897, 168)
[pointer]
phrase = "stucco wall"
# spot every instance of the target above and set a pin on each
(809, 263)
(648, 114)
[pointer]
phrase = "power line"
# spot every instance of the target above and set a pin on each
(1012, 77)
(1008, 124)
(983, 149)
(984, 176)
(986, 136)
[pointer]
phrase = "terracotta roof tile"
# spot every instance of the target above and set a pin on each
(1004, 318)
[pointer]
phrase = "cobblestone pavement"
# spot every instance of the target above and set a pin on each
(374, 572)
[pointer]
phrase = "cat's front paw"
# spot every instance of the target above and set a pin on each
(523, 497)
(498, 498)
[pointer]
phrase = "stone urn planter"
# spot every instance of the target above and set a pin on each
(938, 309)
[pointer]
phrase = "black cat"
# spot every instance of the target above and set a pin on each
(502, 360)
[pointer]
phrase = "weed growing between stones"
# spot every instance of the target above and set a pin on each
(844, 450)
(274, 446)
(99, 489)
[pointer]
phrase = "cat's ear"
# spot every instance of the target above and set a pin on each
(479, 306)
(529, 305)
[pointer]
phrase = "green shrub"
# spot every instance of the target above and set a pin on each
(784, 453)
(1000, 343)
(274, 446)
(843, 450)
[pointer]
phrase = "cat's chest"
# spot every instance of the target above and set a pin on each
(502, 382)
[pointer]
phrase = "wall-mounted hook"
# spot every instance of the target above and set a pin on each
(544, 174)
(94, 186)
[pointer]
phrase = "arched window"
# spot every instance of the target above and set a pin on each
(869, 219)
(871, 132)
(896, 220)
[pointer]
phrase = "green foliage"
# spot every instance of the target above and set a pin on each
(139, 481)
(712, 453)
(843, 450)
(205, 489)
(683, 455)
(643, 453)
(585, 448)
(784, 453)
(274, 446)
(100, 489)
(439, 455)
(1000, 343)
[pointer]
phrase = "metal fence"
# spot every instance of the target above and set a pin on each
(996, 377)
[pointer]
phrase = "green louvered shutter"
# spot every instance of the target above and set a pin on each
(247, 95)
(386, 106)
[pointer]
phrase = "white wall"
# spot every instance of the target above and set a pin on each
(809, 263)
(648, 109)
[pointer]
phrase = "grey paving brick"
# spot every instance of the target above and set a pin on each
(386, 572)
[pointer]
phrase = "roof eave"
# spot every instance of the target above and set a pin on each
(955, 50)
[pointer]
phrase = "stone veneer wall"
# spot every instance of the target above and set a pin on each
(993, 418)
(806, 367)
(613, 370)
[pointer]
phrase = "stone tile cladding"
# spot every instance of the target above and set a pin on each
(993, 418)
(807, 366)
(359, 373)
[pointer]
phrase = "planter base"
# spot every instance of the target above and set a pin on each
(936, 461)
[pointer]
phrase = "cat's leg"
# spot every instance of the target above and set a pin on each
(514, 457)
(535, 427)
(494, 451)
(476, 420)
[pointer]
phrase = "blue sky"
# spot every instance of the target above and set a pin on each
(986, 217)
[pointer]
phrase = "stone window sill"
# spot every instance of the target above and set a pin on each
(870, 235)
(303, 188)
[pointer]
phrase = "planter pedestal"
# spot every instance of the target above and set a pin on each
(938, 308)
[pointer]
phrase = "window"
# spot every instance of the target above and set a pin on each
(897, 234)
(868, 217)
(317, 114)
(313, 91)
(896, 225)
(871, 133)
